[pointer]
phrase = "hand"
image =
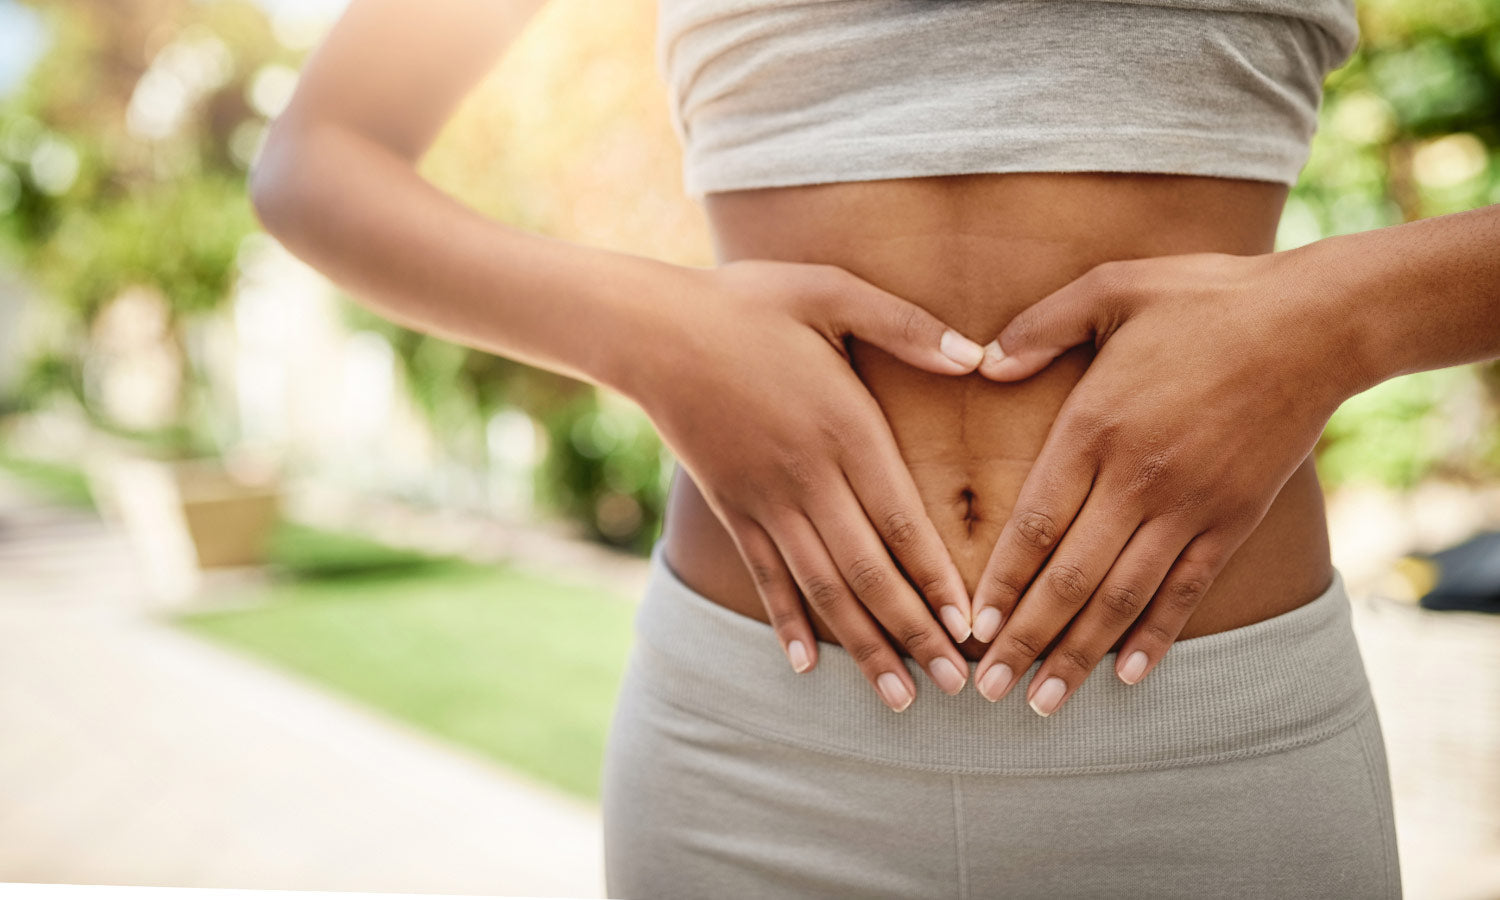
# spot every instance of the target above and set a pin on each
(1211, 384)
(746, 376)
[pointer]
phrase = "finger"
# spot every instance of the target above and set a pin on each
(899, 327)
(1054, 491)
(1059, 593)
(883, 485)
(1065, 318)
(778, 592)
(1114, 607)
(1174, 603)
(829, 598)
(870, 572)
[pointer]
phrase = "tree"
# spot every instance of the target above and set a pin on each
(128, 145)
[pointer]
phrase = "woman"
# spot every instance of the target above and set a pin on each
(998, 365)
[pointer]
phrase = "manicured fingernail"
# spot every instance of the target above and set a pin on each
(895, 692)
(1133, 669)
(994, 682)
(1049, 696)
(796, 651)
(954, 620)
(946, 674)
(987, 624)
(993, 355)
(960, 349)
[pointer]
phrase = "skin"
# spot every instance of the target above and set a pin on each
(1128, 466)
(977, 251)
(1214, 377)
(807, 484)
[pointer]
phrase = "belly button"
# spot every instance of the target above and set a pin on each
(970, 509)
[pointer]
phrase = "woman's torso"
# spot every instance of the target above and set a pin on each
(975, 250)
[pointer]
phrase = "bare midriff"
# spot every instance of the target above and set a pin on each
(975, 250)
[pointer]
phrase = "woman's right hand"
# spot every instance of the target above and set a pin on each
(745, 372)
(742, 368)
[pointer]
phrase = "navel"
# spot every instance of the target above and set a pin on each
(969, 506)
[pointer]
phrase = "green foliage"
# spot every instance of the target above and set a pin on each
(48, 374)
(180, 237)
(94, 206)
(55, 481)
(302, 553)
(1394, 433)
(1410, 128)
(605, 467)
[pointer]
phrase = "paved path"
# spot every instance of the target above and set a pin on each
(1436, 680)
(131, 753)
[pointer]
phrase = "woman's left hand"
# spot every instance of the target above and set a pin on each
(1214, 377)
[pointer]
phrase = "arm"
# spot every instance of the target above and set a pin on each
(337, 184)
(1413, 297)
(809, 483)
(1214, 378)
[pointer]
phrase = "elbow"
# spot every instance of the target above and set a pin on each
(264, 199)
(271, 184)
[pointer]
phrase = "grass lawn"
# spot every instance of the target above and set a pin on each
(519, 667)
(57, 482)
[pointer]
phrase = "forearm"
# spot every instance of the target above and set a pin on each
(361, 214)
(1413, 297)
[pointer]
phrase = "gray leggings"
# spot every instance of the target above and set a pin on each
(1249, 764)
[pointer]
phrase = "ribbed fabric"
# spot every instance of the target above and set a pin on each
(769, 93)
(1289, 681)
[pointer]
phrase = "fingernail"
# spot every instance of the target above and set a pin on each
(993, 355)
(987, 624)
(946, 674)
(994, 681)
(894, 690)
(960, 349)
(957, 625)
(796, 651)
(1048, 696)
(1133, 669)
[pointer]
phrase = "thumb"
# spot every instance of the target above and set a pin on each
(1041, 332)
(906, 331)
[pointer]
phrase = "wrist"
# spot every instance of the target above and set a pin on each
(636, 339)
(1344, 302)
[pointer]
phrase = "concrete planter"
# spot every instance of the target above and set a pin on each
(188, 519)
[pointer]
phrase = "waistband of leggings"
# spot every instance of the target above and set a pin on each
(1288, 681)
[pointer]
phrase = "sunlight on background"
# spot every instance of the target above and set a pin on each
(290, 595)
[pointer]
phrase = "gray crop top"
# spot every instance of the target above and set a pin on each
(768, 93)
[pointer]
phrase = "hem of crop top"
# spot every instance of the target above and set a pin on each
(1144, 151)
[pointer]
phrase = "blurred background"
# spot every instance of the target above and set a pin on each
(289, 596)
